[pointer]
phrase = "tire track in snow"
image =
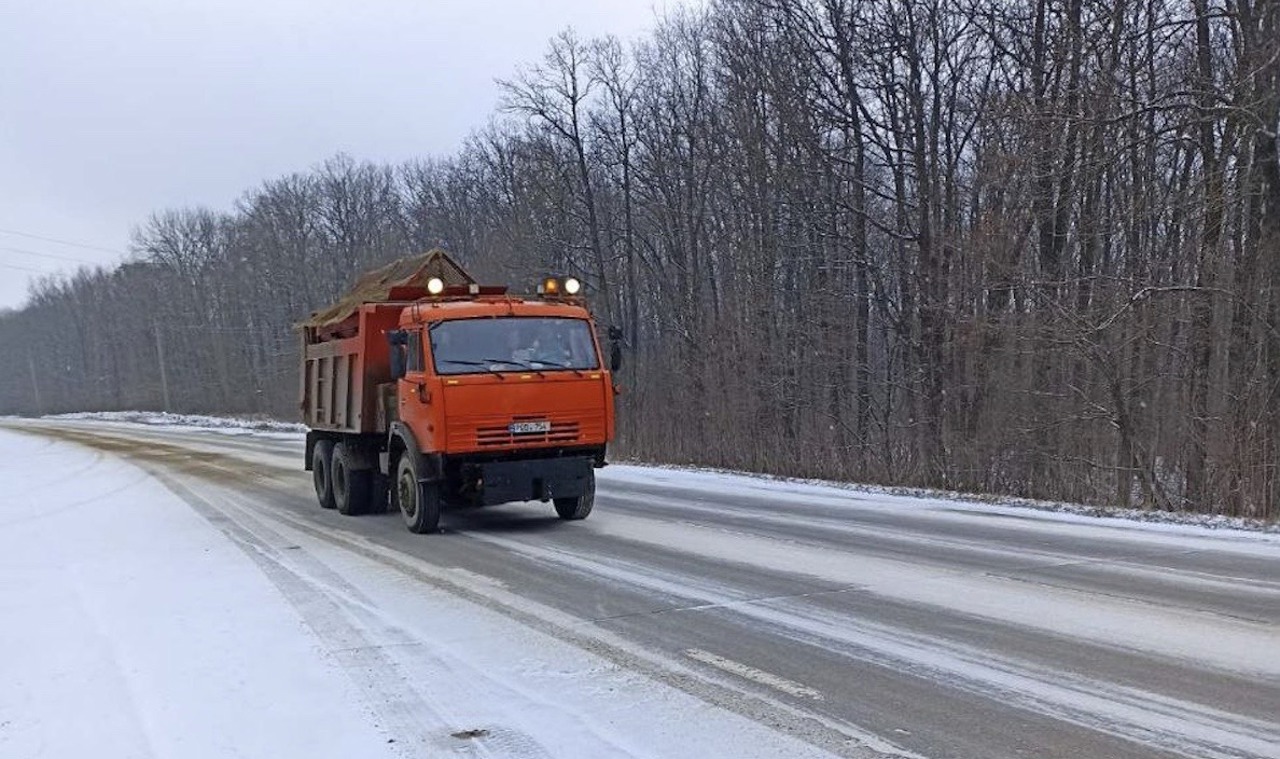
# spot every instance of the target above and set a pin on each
(357, 640)
(1112, 572)
(1228, 645)
(421, 661)
(399, 710)
(831, 734)
(1189, 729)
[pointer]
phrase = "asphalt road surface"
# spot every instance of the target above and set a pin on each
(861, 624)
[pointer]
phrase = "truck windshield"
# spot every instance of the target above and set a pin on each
(512, 344)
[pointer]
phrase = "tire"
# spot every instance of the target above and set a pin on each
(321, 464)
(419, 502)
(580, 507)
(352, 488)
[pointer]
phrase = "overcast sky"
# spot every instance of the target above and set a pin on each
(111, 109)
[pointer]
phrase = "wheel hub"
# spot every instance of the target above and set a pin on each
(408, 497)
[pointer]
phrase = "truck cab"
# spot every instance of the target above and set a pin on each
(507, 399)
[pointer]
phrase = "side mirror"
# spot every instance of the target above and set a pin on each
(396, 340)
(615, 348)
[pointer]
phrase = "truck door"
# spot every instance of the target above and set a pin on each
(415, 392)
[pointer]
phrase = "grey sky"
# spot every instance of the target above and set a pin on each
(111, 109)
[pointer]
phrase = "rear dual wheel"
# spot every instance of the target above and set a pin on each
(341, 485)
(321, 475)
(352, 488)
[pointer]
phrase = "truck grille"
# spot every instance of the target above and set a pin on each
(497, 435)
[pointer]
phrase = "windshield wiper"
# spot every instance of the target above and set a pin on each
(485, 363)
(513, 362)
(558, 365)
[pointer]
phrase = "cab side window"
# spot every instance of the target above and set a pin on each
(415, 351)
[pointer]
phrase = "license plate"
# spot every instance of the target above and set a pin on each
(524, 428)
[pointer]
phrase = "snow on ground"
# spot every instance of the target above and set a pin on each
(230, 425)
(867, 496)
(138, 623)
(132, 628)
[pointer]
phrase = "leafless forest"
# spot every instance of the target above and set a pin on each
(1026, 247)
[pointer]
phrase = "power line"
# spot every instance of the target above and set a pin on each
(25, 268)
(48, 255)
(62, 242)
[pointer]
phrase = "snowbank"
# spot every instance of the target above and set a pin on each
(236, 425)
(722, 481)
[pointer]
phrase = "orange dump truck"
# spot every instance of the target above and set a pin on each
(424, 390)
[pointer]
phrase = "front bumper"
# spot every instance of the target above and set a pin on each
(533, 479)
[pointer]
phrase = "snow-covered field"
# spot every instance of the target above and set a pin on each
(133, 628)
(136, 626)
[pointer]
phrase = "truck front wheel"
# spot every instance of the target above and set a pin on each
(580, 507)
(351, 487)
(419, 502)
(321, 460)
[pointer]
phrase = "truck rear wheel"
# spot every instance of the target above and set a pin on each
(352, 488)
(321, 461)
(419, 502)
(580, 507)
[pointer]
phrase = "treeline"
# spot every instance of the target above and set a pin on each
(1027, 247)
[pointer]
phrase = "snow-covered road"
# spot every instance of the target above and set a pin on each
(177, 593)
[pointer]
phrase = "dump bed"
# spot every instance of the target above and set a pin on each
(343, 368)
(345, 354)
